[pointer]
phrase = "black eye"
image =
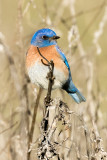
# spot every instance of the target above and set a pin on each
(45, 37)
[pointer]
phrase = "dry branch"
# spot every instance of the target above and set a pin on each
(31, 132)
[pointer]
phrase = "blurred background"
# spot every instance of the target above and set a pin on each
(82, 26)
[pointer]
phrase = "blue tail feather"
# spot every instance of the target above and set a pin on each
(74, 92)
(78, 97)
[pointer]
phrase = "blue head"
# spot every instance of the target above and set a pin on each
(44, 37)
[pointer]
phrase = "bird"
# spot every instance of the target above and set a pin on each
(46, 40)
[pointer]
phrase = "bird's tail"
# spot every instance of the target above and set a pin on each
(78, 97)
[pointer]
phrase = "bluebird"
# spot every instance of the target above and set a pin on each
(46, 40)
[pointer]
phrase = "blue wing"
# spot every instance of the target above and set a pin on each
(63, 57)
(69, 85)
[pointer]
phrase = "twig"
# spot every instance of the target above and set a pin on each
(51, 80)
(48, 97)
(33, 123)
(90, 24)
(98, 151)
(13, 70)
(9, 127)
(44, 145)
(42, 56)
(49, 76)
(87, 142)
(85, 12)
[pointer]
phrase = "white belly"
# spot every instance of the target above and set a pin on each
(38, 73)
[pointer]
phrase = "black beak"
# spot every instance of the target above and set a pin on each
(54, 38)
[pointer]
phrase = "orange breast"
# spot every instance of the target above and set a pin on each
(49, 53)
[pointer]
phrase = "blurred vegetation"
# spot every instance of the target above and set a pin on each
(19, 19)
